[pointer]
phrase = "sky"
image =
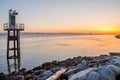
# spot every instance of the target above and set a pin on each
(73, 16)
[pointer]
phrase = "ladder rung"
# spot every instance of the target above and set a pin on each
(13, 49)
(13, 38)
(12, 57)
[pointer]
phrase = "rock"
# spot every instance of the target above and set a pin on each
(81, 66)
(19, 77)
(118, 77)
(42, 78)
(115, 69)
(34, 77)
(38, 72)
(28, 77)
(23, 69)
(84, 62)
(29, 72)
(105, 73)
(93, 76)
(55, 69)
(82, 75)
(37, 68)
(47, 73)
(49, 65)
(2, 75)
(116, 61)
(71, 72)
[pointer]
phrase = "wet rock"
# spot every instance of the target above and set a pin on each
(118, 77)
(37, 68)
(28, 77)
(105, 73)
(2, 75)
(19, 77)
(47, 73)
(42, 78)
(114, 69)
(71, 72)
(55, 69)
(82, 75)
(83, 65)
(49, 65)
(38, 72)
(116, 61)
(29, 72)
(93, 76)
(34, 77)
(84, 62)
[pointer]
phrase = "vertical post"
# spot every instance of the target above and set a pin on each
(8, 63)
(18, 51)
(8, 44)
(15, 57)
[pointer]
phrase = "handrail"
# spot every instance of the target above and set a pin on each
(17, 26)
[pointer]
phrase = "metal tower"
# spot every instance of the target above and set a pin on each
(13, 41)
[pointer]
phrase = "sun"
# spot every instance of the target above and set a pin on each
(107, 30)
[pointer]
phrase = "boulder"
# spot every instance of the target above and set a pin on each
(71, 72)
(38, 72)
(20, 77)
(93, 76)
(42, 78)
(83, 65)
(82, 75)
(2, 75)
(28, 77)
(118, 77)
(47, 73)
(84, 62)
(105, 73)
(115, 69)
(116, 61)
(55, 69)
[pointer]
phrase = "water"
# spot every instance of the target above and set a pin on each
(39, 48)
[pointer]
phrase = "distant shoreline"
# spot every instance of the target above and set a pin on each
(4, 33)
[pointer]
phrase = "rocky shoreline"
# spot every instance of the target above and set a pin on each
(103, 67)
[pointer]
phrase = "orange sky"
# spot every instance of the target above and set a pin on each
(79, 16)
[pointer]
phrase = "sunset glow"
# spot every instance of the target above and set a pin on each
(79, 16)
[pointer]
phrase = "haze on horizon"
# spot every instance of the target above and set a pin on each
(73, 16)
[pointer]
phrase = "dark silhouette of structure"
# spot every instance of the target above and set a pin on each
(13, 41)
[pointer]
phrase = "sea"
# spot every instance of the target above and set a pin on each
(37, 48)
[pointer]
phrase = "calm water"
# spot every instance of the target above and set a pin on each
(39, 48)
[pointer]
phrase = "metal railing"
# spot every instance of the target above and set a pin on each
(17, 26)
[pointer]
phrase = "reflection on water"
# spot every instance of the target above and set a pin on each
(36, 49)
(13, 65)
